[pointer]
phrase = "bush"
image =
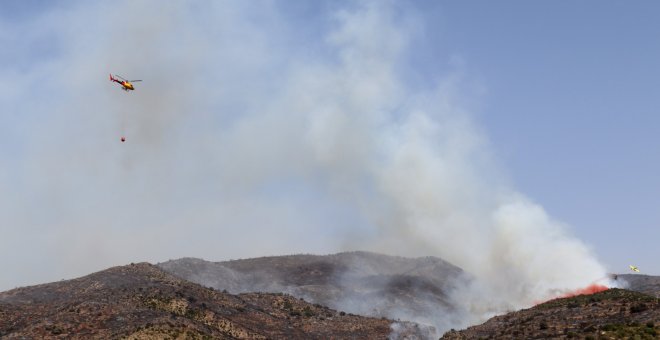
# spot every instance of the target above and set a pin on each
(610, 327)
(573, 304)
(308, 312)
(640, 307)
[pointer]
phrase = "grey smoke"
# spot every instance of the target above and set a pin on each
(248, 138)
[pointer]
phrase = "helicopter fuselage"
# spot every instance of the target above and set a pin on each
(125, 84)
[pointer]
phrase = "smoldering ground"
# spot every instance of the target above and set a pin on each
(256, 133)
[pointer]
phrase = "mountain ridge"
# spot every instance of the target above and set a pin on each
(141, 301)
(365, 283)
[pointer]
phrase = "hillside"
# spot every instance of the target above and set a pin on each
(611, 314)
(646, 284)
(140, 301)
(359, 282)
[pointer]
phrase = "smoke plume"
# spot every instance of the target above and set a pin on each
(256, 132)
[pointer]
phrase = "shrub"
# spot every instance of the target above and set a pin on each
(637, 308)
(610, 327)
(573, 304)
(308, 312)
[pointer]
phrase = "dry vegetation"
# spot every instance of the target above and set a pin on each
(142, 302)
(612, 314)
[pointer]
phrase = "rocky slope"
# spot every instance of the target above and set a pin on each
(646, 284)
(140, 301)
(611, 314)
(359, 282)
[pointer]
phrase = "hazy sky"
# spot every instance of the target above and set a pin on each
(271, 127)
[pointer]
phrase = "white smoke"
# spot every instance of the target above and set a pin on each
(249, 138)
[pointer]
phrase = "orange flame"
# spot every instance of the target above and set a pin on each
(588, 290)
(591, 289)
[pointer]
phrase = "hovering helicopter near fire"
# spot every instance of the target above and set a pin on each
(126, 84)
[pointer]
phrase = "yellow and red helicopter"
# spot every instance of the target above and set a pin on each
(125, 84)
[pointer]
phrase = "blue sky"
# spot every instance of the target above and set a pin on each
(310, 127)
(572, 110)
